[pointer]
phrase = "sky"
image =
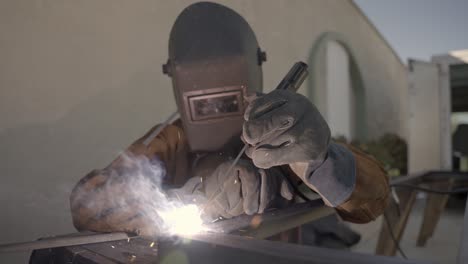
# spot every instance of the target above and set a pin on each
(419, 29)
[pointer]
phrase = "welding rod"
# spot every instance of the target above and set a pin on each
(173, 117)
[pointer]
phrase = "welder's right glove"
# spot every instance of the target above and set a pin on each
(285, 128)
(246, 189)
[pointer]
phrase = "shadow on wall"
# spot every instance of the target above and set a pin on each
(40, 164)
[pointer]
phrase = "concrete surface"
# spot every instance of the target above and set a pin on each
(441, 248)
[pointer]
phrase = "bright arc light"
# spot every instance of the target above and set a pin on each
(183, 220)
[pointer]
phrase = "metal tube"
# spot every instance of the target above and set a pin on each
(273, 221)
(66, 240)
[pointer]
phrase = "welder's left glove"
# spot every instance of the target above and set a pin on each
(245, 190)
(284, 127)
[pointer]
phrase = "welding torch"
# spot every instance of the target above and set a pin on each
(292, 81)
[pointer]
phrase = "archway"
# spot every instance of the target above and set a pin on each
(335, 86)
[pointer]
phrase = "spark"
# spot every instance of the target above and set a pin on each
(152, 244)
(168, 213)
(256, 221)
(185, 220)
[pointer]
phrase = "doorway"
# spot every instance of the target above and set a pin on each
(335, 86)
(341, 114)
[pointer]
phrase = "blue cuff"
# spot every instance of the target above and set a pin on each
(334, 178)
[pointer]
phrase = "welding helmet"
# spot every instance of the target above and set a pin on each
(214, 63)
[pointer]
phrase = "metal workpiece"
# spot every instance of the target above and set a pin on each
(209, 248)
(213, 248)
(273, 222)
(66, 240)
(260, 226)
(235, 249)
(231, 240)
(240, 242)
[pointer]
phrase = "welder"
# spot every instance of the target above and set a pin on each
(215, 64)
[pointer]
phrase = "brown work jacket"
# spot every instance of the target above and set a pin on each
(99, 187)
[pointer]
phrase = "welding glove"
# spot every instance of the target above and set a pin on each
(283, 127)
(246, 189)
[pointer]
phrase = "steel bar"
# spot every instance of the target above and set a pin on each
(65, 240)
(427, 176)
(266, 224)
(445, 175)
(296, 253)
(272, 223)
(414, 178)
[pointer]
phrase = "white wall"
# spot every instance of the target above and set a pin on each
(80, 80)
(424, 141)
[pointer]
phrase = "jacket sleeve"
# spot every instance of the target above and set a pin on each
(349, 180)
(371, 192)
(106, 200)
